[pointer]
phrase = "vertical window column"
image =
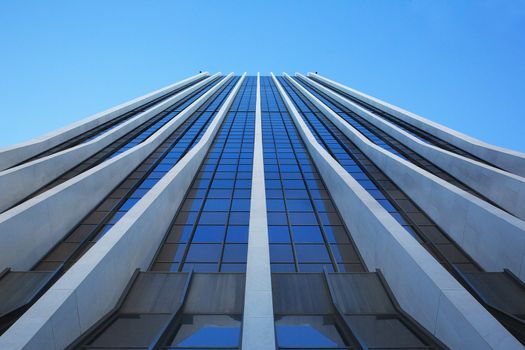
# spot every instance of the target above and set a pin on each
(306, 232)
(210, 231)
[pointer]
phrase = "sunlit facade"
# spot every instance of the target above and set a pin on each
(261, 212)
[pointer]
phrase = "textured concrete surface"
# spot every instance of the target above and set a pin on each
(422, 287)
(501, 187)
(258, 330)
(93, 285)
(509, 160)
(19, 182)
(45, 219)
(16, 154)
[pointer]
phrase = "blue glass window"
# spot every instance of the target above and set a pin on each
(223, 190)
(297, 235)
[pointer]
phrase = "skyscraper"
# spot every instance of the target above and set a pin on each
(261, 212)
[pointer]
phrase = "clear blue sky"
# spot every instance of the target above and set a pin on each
(460, 63)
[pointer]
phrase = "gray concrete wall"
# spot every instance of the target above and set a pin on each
(509, 160)
(258, 330)
(18, 182)
(46, 218)
(16, 154)
(421, 285)
(503, 188)
(494, 238)
(93, 285)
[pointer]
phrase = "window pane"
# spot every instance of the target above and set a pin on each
(208, 331)
(283, 267)
(302, 219)
(278, 234)
(383, 332)
(204, 253)
(216, 204)
(237, 234)
(213, 218)
(131, 330)
(235, 253)
(299, 205)
(307, 234)
(307, 332)
(208, 234)
(311, 253)
(281, 253)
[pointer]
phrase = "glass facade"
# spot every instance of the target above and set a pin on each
(323, 283)
(305, 230)
(385, 141)
(210, 232)
(401, 207)
(135, 186)
(380, 187)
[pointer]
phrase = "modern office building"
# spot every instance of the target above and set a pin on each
(261, 212)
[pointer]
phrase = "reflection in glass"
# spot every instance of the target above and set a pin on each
(215, 331)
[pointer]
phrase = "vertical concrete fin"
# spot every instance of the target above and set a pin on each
(494, 238)
(95, 282)
(423, 288)
(34, 220)
(21, 181)
(503, 188)
(12, 155)
(258, 322)
(510, 160)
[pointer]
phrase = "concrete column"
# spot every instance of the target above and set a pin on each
(494, 238)
(423, 288)
(46, 218)
(94, 284)
(258, 331)
(12, 155)
(509, 160)
(505, 189)
(19, 182)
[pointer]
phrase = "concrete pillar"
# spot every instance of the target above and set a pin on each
(505, 189)
(258, 331)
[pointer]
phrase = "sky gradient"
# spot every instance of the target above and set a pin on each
(459, 63)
